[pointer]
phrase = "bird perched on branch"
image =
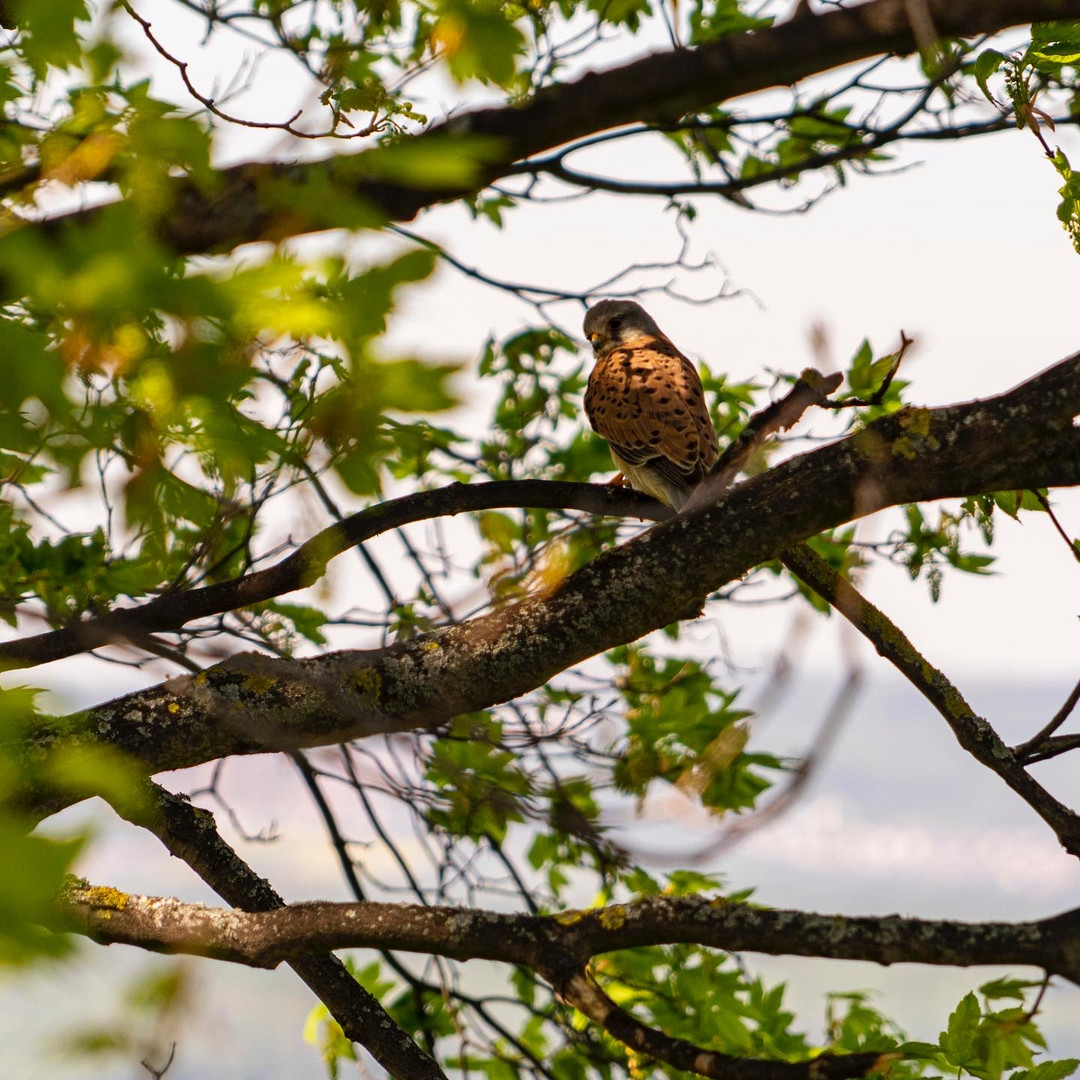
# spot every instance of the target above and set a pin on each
(646, 399)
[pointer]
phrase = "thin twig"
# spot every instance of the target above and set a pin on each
(878, 395)
(1070, 543)
(1027, 751)
(211, 106)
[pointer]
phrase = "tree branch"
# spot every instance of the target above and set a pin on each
(559, 946)
(1031, 749)
(257, 201)
(190, 834)
(1052, 747)
(583, 992)
(973, 733)
(307, 563)
(255, 704)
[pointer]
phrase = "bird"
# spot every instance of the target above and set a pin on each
(646, 399)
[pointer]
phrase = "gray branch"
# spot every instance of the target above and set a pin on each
(559, 946)
(257, 200)
(257, 704)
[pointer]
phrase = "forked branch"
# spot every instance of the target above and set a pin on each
(973, 733)
(190, 834)
(559, 948)
(252, 201)
(258, 704)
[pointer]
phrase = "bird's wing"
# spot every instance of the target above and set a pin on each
(647, 401)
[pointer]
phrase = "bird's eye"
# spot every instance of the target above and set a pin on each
(615, 324)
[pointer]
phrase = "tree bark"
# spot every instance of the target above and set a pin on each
(255, 704)
(556, 946)
(259, 201)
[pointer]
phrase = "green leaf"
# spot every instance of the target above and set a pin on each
(1058, 53)
(478, 40)
(987, 64)
(452, 162)
(491, 208)
(1008, 988)
(292, 618)
(35, 869)
(49, 37)
(1056, 43)
(410, 385)
(714, 19)
(1048, 1070)
(958, 1042)
(324, 1032)
(86, 770)
(364, 301)
(480, 786)
(626, 13)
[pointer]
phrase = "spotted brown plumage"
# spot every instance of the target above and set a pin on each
(646, 399)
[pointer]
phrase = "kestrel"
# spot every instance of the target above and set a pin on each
(646, 399)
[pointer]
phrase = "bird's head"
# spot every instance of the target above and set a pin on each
(613, 323)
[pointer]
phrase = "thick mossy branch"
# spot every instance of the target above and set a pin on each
(559, 946)
(251, 704)
(271, 201)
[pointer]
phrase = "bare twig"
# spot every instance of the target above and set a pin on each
(1070, 543)
(811, 388)
(158, 1071)
(878, 395)
(1032, 749)
(210, 105)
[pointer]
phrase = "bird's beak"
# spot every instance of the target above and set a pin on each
(595, 338)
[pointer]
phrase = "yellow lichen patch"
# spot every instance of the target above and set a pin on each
(903, 447)
(200, 679)
(173, 707)
(569, 918)
(367, 682)
(431, 646)
(612, 918)
(917, 421)
(107, 898)
(259, 684)
(719, 901)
